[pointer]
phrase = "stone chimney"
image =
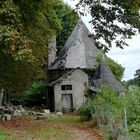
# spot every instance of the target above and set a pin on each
(52, 50)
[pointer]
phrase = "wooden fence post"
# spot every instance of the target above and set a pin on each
(125, 121)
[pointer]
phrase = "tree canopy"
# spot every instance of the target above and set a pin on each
(26, 27)
(136, 80)
(113, 20)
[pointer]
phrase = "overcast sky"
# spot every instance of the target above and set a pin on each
(129, 57)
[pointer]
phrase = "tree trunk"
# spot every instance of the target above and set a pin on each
(1, 96)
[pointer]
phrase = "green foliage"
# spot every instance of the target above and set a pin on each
(64, 118)
(116, 68)
(111, 19)
(15, 75)
(5, 135)
(106, 110)
(132, 104)
(26, 27)
(34, 96)
(137, 6)
(136, 80)
(13, 42)
(87, 109)
(108, 104)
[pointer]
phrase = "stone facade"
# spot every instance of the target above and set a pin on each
(78, 81)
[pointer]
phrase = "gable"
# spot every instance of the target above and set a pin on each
(72, 75)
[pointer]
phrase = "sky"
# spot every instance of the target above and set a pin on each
(129, 57)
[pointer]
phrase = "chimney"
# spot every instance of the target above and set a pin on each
(52, 50)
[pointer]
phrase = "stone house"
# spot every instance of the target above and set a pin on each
(68, 80)
(69, 89)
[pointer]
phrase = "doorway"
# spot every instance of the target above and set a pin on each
(67, 102)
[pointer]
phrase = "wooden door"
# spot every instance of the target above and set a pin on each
(67, 102)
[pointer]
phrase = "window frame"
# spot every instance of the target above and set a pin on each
(66, 87)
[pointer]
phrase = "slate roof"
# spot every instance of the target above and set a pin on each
(80, 35)
(104, 75)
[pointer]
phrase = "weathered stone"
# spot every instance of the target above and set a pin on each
(7, 117)
(59, 114)
(15, 113)
(78, 79)
(21, 109)
(46, 111)
(42, 114)
(32, 113)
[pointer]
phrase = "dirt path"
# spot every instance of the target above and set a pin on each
(83, 131)
(81, 135)
(64, 128)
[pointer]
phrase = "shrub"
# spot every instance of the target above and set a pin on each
(107, 109)
(132, 103)
(87, 109)
(34, 96)
(108, 106)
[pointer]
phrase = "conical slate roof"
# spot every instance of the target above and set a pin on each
(104, 75)
(78, 51)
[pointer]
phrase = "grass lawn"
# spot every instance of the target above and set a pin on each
(51, 128)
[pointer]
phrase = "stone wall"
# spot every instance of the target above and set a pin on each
(78, 79)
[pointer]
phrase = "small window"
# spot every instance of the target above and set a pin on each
(66, 87)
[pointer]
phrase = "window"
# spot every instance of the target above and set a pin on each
(66, 87)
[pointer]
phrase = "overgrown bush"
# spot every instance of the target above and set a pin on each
(34, 96)
(132, 104)
(106, 110)
(87, 109)
(108, 114)
(109, 103)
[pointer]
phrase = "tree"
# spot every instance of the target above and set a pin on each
(117, 69)
(136, 80)
(33, 96)
(26, 27)
(112, 20)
